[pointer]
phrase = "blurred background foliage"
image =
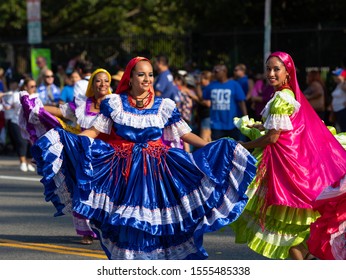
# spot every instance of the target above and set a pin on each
(112, 31)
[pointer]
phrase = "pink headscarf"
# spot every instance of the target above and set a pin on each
(124, 85)
(290, 68)
(304, 160)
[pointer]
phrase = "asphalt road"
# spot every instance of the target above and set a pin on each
(29, 231)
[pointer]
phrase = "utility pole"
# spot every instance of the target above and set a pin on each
(267, 29)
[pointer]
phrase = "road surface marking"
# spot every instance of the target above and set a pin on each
(20, 178)
(64, 250)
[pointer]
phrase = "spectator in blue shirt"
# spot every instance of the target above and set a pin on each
(67, 93)
(164, 84)
(247, 84)
(226, 99)
(48, 92)
(2, 80)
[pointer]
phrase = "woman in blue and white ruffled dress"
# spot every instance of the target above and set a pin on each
(145, 200)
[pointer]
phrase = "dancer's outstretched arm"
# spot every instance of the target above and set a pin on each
(194, 140)
(91, 132)
(269, 138)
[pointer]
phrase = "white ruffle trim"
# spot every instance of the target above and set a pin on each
(141, 121)
(178, 252)
(171, 215)
(83, 120)
(62, 192)
(189, 202)
(67, 112)
(59, 179)
(33, 118)
(39, 128)
(173, 132)
(34, 113)
(279, 121)
(80, 99)
(337, 242)
(103, 124)
(55, 149)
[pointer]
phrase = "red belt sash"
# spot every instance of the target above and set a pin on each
(124, 149)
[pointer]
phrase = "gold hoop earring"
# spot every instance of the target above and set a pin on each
(285, 82)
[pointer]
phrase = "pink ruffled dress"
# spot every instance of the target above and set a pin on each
(291, 174)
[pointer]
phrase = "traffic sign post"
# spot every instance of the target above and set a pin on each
(34, 21)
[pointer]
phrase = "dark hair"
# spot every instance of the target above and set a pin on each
(162, 58)
(181, 78)
(85, 66)
(206, 74)
(26, 82)
(315, 75)
(13, 80)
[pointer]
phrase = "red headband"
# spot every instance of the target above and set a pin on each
(123, 85)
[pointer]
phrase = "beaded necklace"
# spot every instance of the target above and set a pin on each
(139, 102)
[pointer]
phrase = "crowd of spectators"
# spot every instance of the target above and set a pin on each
(208, 99)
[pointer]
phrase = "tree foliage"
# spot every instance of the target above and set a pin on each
(12, 18)
(223, 30)
(96, 18)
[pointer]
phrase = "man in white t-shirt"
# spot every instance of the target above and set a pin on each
(85, 69)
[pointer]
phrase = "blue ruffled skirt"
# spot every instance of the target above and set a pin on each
(145, 206)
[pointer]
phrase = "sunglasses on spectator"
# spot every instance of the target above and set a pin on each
(49, 76)
(33, 86)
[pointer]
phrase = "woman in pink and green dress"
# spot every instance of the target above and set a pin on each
(298, 159)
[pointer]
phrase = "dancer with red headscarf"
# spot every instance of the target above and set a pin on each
(145, 200)
(300, 158)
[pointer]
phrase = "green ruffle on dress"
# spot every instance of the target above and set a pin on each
(341, 136)
(282, 227)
